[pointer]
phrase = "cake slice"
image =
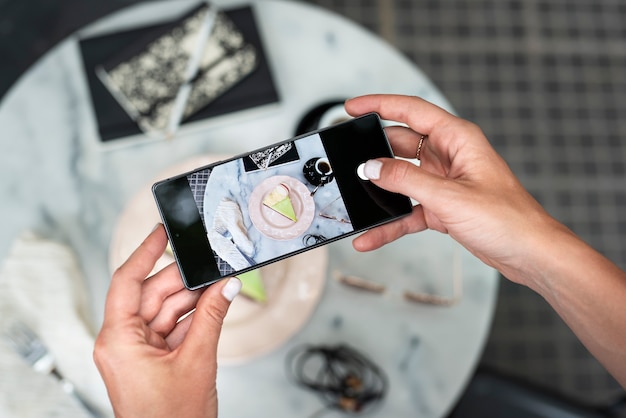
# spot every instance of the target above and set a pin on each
(278, 200)
(252, 286)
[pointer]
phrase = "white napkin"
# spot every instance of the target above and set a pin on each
(41, 285)
(228, 236)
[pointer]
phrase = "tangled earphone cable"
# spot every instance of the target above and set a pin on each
(342, 376)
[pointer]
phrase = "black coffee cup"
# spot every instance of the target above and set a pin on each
(318, 171)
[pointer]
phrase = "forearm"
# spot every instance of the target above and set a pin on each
(587, 290)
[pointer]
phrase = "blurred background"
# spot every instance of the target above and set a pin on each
(545, 79)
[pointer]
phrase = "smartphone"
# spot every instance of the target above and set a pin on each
(263, 206)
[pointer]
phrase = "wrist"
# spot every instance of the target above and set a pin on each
(541, 249)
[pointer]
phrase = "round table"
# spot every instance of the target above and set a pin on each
(60, 180)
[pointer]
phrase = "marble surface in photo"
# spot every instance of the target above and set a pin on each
(232, 182)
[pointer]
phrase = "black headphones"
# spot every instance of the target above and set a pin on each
(342, 376)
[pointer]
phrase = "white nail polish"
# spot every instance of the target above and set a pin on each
(231, 289)
(371, 170)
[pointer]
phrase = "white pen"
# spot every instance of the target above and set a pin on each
(193, 65)
(269, 160)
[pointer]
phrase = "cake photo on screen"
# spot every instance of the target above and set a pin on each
(278, 200)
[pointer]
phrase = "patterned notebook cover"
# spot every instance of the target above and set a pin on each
(146, 83)
(235, 74)
(271, 157)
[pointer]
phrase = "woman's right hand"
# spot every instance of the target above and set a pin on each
(466, 190)
(464, 187)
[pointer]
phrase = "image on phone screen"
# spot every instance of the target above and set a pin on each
(254, 209)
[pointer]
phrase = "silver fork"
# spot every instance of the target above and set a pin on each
(31, 348)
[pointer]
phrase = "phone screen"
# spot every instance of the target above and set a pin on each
(254, 209)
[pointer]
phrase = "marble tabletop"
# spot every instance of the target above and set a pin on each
(59, 180)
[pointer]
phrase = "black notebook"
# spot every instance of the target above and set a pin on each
(134, 75)
(271, 157)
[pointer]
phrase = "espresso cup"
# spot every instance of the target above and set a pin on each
(323, 168)
(318, 171)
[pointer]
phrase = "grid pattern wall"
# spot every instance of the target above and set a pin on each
(546, 80)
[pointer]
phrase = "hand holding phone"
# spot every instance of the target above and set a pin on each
(238, 215)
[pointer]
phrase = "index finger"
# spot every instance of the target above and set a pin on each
(418, 114)
(124, 297)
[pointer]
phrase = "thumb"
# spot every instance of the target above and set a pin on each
(404, 177)
(206, 325)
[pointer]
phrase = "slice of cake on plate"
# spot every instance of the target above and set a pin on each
(252, 286)
(278, 200)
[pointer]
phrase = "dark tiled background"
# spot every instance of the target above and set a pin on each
(546, 80)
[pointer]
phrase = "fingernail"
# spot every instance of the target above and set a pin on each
(155, 227)
(231, 289)
(372, 169)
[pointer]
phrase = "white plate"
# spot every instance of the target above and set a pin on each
(293, 286)
(271, 223)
